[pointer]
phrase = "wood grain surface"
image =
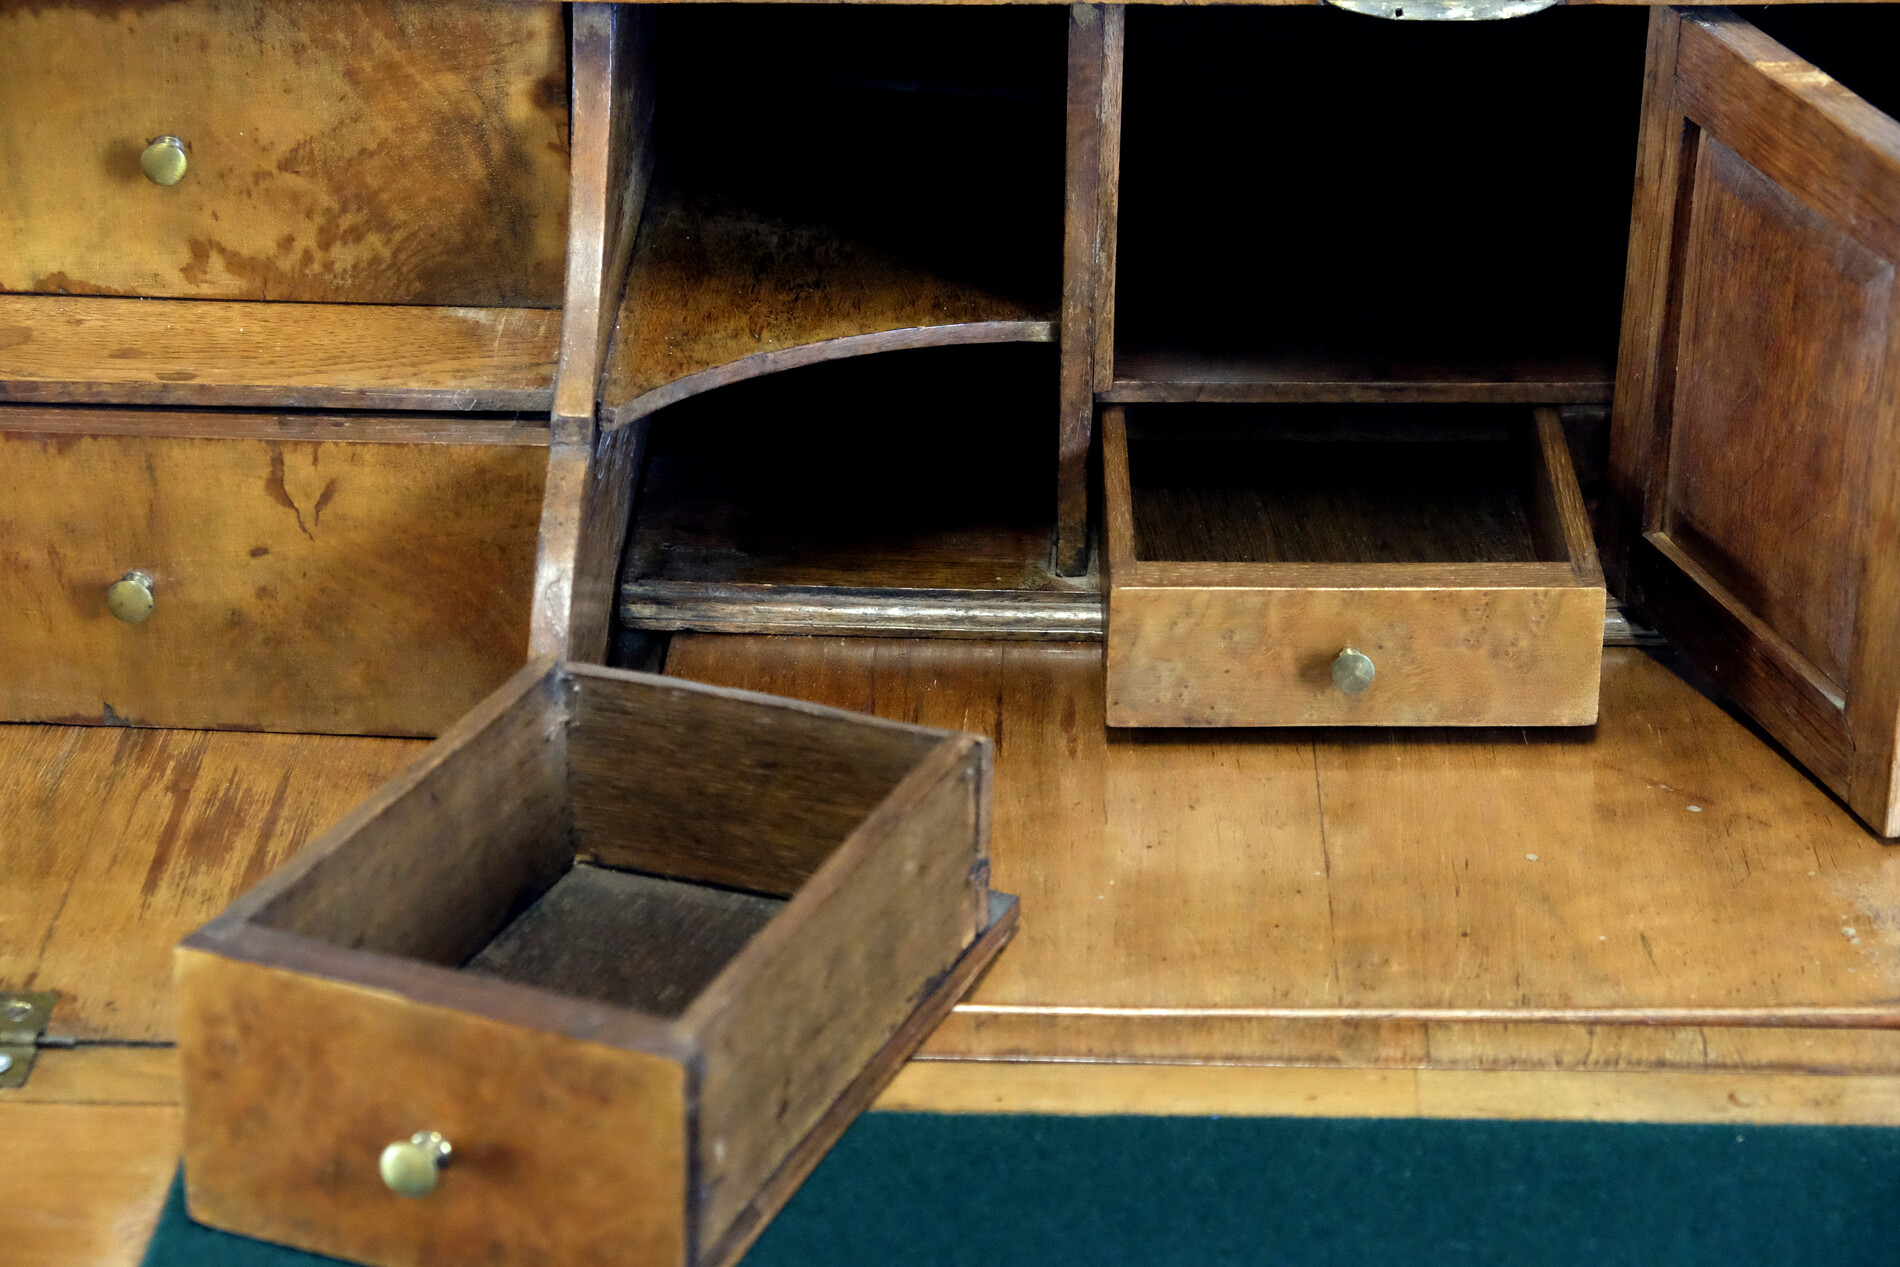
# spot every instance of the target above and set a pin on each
(718, 294)
(1367, 899)
(636, 940)
(810, 1002)
(1756, 432)
(118, 842)
(373, 151)
(355, 575)
(1343, 552)
(91, 1194)
(436, 861)
(613, 164)
(275, 355)
(1291, 377)
(706, 800)
(1093, 137)
(294, 1085)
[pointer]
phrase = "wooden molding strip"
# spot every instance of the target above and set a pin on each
(1030, 615)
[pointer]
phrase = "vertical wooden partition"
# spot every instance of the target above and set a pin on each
(591, 468)
(1088, 261)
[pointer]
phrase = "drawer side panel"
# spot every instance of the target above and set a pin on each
(789, 1042)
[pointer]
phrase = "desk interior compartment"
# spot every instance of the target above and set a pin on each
(905, 493)
(1316, 205)
(821, 182)
(637, 949)
(1257, 552)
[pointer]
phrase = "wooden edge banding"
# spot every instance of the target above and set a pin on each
(1554, 454)
(435, 985)
(759, 364)
(584, 674)
(1118, 510)
(316, 429)
(1796, 1016)
(286, 396)
(1148, 574)
(1349, 391)
(713, 607)
(1081, 274)
(868, 1085)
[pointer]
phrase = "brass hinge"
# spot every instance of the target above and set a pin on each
(23, 1019)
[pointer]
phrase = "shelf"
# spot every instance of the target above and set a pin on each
(1149, 376)
(717, 294)
(276, 355)
(836, 182)
(905, 492)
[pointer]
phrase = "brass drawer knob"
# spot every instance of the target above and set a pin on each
(1353, 671)
(410, 1165)
(164, 161)
(130, 597)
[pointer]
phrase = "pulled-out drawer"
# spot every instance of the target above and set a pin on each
(367, 151)
(350, 575)
(621, 956)
(1347, 565)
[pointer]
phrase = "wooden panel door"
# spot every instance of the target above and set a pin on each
(1754, 448)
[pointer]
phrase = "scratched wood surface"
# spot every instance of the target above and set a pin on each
(344, 575)
(275, 355)
(117, 842)
(1492, 899)
(369, 151)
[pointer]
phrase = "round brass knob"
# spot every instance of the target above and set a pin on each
(163, 161)
(130, 597)
(409, 1166)
(1353, 671)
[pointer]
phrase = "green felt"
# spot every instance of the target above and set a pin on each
(931, 1191)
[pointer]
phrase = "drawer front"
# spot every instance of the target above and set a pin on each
(352, 585)
(1186, 656)
(563, 1153)
(371, 151)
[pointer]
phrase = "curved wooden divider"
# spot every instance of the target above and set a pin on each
(717, 294)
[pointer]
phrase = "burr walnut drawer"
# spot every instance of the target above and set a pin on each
(371, 151)
(362, 575)
(1328, 565)
(635, 950)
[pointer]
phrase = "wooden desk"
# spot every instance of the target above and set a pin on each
(1714, 908)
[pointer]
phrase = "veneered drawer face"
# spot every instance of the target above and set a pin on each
(361, 576)
(564, 1151)
(1327, 566)
(369, 151)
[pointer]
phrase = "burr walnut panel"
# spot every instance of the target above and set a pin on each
(374, 151)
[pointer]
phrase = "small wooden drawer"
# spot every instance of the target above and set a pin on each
(365, 151)
(637, 949)
(349, 575)
(1340, 565)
